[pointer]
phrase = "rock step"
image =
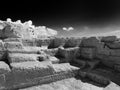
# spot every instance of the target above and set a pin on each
(41, 80)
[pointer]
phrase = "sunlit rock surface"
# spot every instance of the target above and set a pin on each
(33, 58)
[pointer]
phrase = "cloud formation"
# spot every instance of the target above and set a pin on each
(68, 29)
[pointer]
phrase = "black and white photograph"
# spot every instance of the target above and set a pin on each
(60, 45)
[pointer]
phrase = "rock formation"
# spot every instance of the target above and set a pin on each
(25, 63)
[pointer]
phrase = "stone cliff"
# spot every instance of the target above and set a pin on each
(35, 59)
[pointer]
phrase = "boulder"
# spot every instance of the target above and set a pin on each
(4, 68)
(109, 39)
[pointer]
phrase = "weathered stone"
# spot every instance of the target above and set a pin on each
(13, 45)
(28, 42)
(29, 70)
(72, 42)
(4, 68)
(10, 31)
(19, 57)
(56, 42)
(102, 50)
(69, 54)
(89, 42)
(88, 53)
(97, 78)
(109, 61)
(92, 64)
(82, 74)
(65, 67)
(114, 52)
(53, 59)
(51, 52)
(115, 45)
(109, 39)
(2, 81)
(117, 67)
(1, 46)
(12, 40)
(82, 63)
(2, 55)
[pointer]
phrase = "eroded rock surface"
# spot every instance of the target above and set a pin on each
(31, 56)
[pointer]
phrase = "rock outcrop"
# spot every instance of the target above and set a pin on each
(31, 56)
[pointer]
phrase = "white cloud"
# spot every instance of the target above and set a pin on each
(68, 29)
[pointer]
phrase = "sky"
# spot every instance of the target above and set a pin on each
(85, 17)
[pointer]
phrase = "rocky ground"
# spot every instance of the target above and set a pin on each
(72, 84)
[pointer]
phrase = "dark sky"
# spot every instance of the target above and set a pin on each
(91, 13)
